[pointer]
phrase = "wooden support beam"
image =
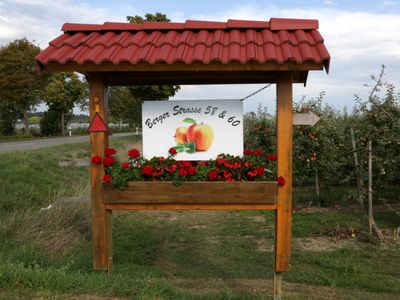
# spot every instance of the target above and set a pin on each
(277, 286)
(101, 234)
(204, 206)
(283, 216)
(193, 192)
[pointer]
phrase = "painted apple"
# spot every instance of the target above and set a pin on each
(181, 135)
(202, 135)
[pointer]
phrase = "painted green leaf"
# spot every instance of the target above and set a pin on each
(189, 120)
(190, 147)
(180, 147)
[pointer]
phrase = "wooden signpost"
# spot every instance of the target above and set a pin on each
(147, 65)
(309, 119)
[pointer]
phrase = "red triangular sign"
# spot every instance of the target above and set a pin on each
(97, 124)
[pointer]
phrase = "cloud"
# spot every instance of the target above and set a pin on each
(329, 2)
(388, 3)
(41, 20)
(359, 43)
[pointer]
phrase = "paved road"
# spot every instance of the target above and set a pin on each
(41, 143)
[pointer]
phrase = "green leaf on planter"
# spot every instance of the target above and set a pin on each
(189, 120)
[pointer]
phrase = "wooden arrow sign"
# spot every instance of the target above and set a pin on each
(305, 119)
(97, 124)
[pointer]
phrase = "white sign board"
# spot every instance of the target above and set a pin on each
(197, 129)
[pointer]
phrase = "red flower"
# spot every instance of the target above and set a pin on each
(257, 152)
(281, 181)
(252, 173)
(247, 164)
(247, 152)
(133, 153)
(108, 161)
(172, 151)
(126, 165)
(110, 151)
(212, 176)
(260, 171)
(237, 165)
(107, 178)
(220, 161)
(147, 170)
(227, 175)
(182, 172)
(96, 159)
(162, 158)
(272, 157)
(171, 169)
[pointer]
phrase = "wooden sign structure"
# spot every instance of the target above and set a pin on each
(156, 58)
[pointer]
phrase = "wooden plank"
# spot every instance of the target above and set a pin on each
(204, 206)
(194, 192)
(283, 222)
(99, 142)
(83, 162)
(179, 67)
(201, 77)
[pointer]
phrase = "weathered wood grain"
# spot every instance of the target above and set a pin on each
(155, 192)
(99, 142)
(283, 222)
(190, 206)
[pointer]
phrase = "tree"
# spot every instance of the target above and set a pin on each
(157, 17)
(379, 129)
(124, 107)
(20, 82)
(8, 117)
(63, 92)
(125, 103)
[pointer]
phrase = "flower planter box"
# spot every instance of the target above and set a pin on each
(194, 192)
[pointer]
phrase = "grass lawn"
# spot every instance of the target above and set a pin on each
(174, 254)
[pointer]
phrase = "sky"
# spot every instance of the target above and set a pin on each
(360, 35)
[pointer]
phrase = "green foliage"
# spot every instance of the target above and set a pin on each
(61, 94)
(8, 117)
(124, 107)
(20, 83)
(157, 17)
(323, 148)
(379, 121)
(34, 120)
(50, 124)
(259, 130)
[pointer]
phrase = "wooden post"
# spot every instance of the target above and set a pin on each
(101, 219)
(277, 286)
(370, 216)
(357, 167)
(283, 215)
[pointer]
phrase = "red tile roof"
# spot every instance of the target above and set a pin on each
(279, 40)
